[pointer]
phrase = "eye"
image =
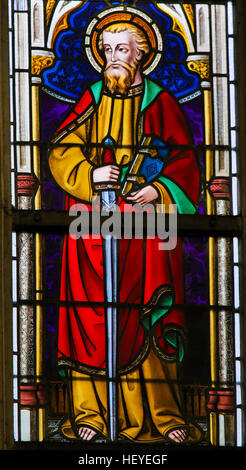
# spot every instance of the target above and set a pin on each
(107, 49)
(123, 49)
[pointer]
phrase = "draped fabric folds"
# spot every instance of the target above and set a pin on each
(150, 280)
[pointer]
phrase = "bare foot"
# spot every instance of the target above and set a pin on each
(179, 435)
(86, 433)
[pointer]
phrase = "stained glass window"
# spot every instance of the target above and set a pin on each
(161, 130)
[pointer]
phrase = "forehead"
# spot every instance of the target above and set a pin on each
(124, 37)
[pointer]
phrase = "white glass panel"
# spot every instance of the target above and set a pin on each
(219, 41)
(231, 59)
(14, 281)
(233, 162)
(16, 422)
(222, 163)
(37, 22)
(12, 133)
(21, 41)
(203, 28)
(15, 368)
(233, 139)
(237, 335)
(15, 389)
(21, 5)
(12, 156)
(238, 372)
(221, 118)
(10, 13)
(221, 430)
(11, 94)
(22, 106)
(239, 428)
(23, 156)
(25, 416)
(15, 333)
(13, 195)
(232, 106)
(236, 287)
(10, 53)
(14, 251)
(230, 18)
(234, 196)
(233, 152)
(238, 394)
(235, 250)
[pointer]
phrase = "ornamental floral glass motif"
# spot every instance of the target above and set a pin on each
(118, 104)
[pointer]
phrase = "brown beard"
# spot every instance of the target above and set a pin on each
(120, 83)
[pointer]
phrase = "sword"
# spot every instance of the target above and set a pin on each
(108, 202)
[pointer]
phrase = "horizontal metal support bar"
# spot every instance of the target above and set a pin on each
(46, 146)
(189, 308)
(59, 222)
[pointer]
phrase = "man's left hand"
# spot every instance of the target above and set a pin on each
(143, 196)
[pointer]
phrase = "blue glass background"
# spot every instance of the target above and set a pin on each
(71, 71)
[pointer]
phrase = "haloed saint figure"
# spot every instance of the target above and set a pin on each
(136, 115)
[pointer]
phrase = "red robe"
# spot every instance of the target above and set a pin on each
(143, 268)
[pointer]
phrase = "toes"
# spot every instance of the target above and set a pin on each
(90, 434)
(172, 435)
(179, 435)
(86, 433)
(83, 432)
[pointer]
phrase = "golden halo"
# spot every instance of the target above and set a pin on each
(124, 14)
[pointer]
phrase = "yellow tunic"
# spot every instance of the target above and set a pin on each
(80, 151)
(149, 404)
(149, 401)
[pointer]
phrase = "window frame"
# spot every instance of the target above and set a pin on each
(11, 219)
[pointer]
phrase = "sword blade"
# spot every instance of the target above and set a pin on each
(108, 201)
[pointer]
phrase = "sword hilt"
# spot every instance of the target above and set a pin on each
(108, 190)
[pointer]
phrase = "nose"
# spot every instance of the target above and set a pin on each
(114, 55)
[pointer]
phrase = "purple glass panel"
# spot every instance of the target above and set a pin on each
(196, 270)
(53, 112)
(194, 112)
(52, 257)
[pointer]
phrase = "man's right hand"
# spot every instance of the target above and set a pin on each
(107, 173)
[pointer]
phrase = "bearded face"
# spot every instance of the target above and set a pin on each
(122, 61)
(119, 79)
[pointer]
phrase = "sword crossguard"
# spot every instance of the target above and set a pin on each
(106, 187)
